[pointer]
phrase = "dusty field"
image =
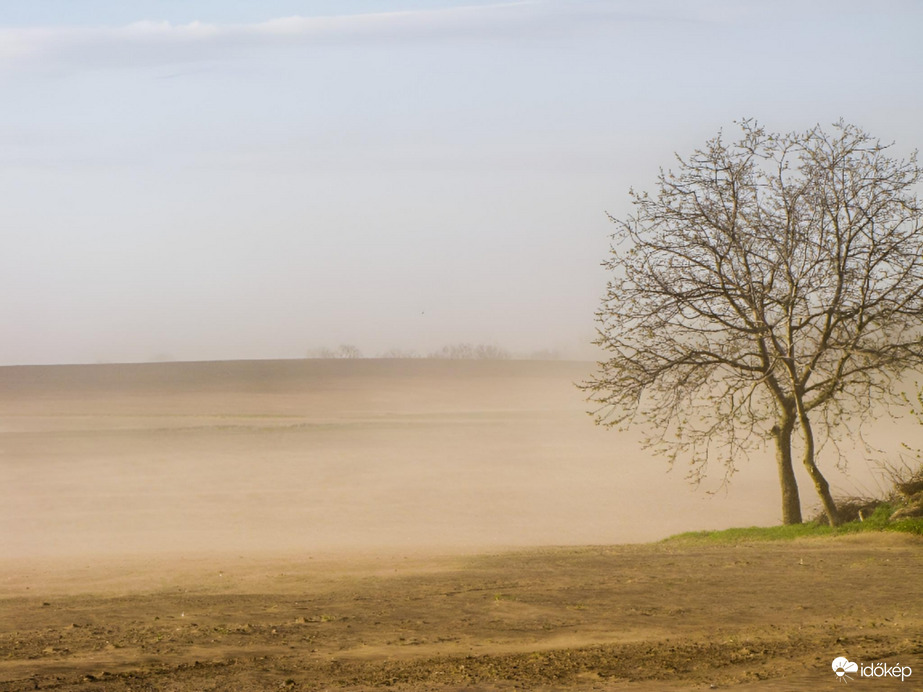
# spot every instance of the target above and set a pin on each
(621, 618)
(329, 455)
(337, 455)
(354, 525)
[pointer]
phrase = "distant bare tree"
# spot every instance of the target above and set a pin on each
(771, 288)
(348, 351)
(342, 351)
(466, 351)
(455, 352)
(491, 352)
(399, 353)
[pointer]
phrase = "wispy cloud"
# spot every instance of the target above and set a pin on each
(163, 43)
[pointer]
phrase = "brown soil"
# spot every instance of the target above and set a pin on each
(661, 616)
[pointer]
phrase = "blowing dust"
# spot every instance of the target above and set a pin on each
(338, 456)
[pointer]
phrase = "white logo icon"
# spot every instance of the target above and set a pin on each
(842, 665)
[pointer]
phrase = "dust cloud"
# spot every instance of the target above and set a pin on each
(333, 456)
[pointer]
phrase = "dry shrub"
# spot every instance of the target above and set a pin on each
(852, 509)
(905, 496)
(907, 482)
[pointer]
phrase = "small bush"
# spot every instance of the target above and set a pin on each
(852, 509)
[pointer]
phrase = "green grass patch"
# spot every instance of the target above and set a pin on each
(879, 520)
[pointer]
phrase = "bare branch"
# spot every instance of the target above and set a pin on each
(775, 279)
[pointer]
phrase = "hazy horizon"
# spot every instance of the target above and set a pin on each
(168, 359)
(343, 456)
(212, 180)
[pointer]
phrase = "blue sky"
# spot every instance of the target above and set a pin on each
(246, 180)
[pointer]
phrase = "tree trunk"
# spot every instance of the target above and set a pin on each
(820, 483)
(791, 503)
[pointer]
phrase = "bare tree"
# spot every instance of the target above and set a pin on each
(348, 351)
(342, 351)
(491, 352)
(772, 288)
(463, 351)
(399, 353)
(466, 351)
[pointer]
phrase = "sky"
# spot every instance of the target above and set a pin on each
(218, 179)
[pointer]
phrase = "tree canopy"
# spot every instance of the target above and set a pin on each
(771, 288)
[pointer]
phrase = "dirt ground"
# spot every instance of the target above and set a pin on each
(374, 524)
(646, 617)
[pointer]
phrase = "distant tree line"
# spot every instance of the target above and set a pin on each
(341, 351)
(459, 351)
(466, 351)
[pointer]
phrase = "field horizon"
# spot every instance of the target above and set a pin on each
(322, 455)
(336, 455)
